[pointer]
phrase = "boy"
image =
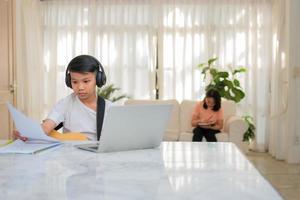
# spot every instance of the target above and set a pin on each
(78, 110)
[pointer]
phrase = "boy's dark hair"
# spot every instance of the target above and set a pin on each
(212, 93)
(86, 63)
(83, 63)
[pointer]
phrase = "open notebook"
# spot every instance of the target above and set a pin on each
(37, 139)
(28, 147)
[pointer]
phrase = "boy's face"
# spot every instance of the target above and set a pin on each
(83, 84)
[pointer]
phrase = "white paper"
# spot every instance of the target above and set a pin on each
(18, 146)
(28, 127)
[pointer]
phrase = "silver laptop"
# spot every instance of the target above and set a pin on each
(131, 127)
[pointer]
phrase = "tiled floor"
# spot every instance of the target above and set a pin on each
(284, 177)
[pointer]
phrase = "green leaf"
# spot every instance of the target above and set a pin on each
(210, 61)
(213, 72)
(223, 74)
(119, 98)
(236, 82)
(242, 69)
(204, 70)
(228, 83)
(201, 65)
(238, 94)
(108, 91)
(223, 81)
(250, 132)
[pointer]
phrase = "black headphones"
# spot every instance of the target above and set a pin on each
(86, 60)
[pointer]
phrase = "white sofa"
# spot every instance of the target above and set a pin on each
(180, 129)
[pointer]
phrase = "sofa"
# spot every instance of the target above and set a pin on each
(179, 127)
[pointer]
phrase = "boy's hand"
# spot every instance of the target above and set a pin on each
(17, 135)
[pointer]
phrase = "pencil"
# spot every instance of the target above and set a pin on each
(7, 143)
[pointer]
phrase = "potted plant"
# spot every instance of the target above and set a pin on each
(227, 84)
(107, 93)
(249, 135)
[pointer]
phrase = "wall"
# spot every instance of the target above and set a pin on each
(293, 16)
(7, 85)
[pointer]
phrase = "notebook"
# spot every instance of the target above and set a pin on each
(37, 139)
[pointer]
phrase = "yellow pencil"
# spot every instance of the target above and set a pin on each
(8, 142)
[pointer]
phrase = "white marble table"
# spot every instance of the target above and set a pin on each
(177, 170)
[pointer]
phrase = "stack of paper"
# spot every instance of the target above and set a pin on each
(37, 139)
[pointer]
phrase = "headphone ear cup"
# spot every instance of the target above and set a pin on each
(100, 79)
(68, 80)
(103, 78)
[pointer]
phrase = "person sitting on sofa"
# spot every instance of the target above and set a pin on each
(208, 117)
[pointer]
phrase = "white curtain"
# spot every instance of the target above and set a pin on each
(279, 85)
(284, 130)
(30, 71)
(131, 37)
(238, 32)
(118, 33)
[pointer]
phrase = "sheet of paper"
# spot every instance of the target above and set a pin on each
(18, 146)
(28, 127)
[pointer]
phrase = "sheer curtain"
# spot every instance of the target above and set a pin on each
(279, 86)
(283, 138)
(131, 37)
(238, 32)
(30, 71)
(118, 33)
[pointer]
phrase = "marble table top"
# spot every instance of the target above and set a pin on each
(176, 170)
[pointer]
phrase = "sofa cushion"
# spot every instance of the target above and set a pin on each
(186, 110)
(173, 130)
(229, 109)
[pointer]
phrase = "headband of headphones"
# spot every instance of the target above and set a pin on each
(86, 63)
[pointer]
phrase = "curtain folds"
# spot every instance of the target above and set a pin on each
(131, 38)
(119, 34)
(238, 32)
(279, 85)
(30, 72)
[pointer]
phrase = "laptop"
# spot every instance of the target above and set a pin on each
(131, 127)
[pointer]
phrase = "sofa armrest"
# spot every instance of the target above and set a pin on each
(235, 126)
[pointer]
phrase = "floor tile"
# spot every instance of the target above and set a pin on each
(284, 177)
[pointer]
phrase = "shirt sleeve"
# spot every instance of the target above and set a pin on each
(57, 114)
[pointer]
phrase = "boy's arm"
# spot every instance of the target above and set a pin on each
(48, 125)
